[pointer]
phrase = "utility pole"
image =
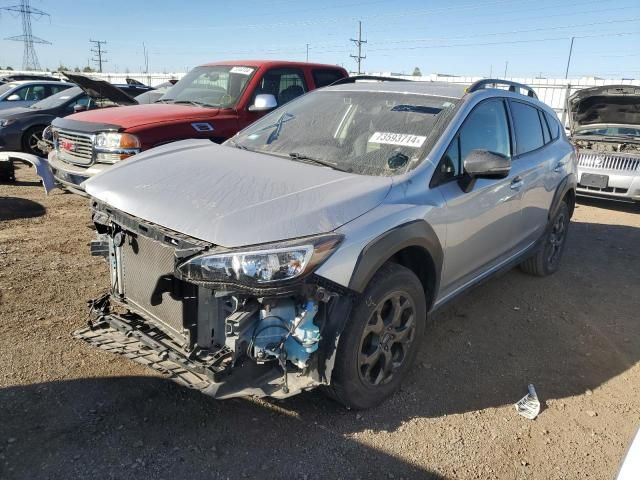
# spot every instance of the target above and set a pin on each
(307, 53)
(99, 51)
(566, 72)
(491, 71)
(506, 65)
(358, 58)
(146, 58)
(29, 56)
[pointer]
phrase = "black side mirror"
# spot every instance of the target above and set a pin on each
(483, 164)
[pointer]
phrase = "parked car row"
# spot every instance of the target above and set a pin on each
(28, 107)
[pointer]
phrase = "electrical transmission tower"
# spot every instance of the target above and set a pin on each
(99, 52)
(358, 58)
(26, 11)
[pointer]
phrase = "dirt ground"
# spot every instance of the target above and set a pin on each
(70, 411)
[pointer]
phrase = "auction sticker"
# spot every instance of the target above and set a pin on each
(242, 70)
(402, 139)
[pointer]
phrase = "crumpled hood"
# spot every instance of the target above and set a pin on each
(138, 115)
(609, 104)
(232, 197)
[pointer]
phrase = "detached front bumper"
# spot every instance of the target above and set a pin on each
(41, 165)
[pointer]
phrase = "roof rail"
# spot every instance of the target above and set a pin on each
(374, 78)
(494, 82)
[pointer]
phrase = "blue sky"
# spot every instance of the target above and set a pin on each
(462, 37)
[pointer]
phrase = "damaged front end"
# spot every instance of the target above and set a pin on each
(226, 322)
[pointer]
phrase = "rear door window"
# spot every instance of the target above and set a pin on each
(325, 77)
(527, 126)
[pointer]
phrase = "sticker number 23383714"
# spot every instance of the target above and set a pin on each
(402, 139)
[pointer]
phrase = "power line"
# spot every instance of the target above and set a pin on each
(99, 52)
(29, 57)
(358, 58)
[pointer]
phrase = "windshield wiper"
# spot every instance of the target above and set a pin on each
(273, 136)
(194, 102)
(306, 158)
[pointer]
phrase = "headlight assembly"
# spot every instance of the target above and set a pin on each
(5, 122)
(261, 266)
(111, 147)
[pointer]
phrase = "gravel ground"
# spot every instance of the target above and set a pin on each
(70, 411)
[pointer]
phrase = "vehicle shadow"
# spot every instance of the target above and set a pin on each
(14, 208)
(609, 204)
(150, 428)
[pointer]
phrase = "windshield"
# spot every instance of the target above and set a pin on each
(364, 132)
(611, 131)
(58, 99)
(217, 86)
(7, 86)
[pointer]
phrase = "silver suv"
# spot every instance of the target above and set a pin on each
(309, 249)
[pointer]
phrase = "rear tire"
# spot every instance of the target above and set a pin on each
(546, 260)
(381, 340)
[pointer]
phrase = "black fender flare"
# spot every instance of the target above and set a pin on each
(566, 184)
(417, 233)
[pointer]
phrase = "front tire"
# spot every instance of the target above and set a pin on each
(30, 140)
(546, 260)
(381, 340)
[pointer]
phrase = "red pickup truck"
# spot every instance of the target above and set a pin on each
(212, 101)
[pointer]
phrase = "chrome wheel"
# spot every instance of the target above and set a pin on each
(386, 338)
(30, 142)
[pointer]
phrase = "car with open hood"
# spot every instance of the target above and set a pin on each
(309, 248)
(212, 102)
(605, 127)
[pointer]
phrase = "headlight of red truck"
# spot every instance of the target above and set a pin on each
(111, 147)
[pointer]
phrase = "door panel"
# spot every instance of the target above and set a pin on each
(536, 159)
(481, 222)
(480, 229)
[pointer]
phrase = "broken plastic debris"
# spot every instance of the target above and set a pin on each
(529, 405)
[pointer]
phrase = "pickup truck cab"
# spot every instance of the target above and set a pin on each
(212, 101)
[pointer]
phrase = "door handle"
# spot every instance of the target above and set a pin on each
(559, 167)
(517, 183)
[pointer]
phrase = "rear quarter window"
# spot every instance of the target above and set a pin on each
(325, 77)
(554, 125)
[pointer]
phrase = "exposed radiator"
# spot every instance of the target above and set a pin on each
(149, 284)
